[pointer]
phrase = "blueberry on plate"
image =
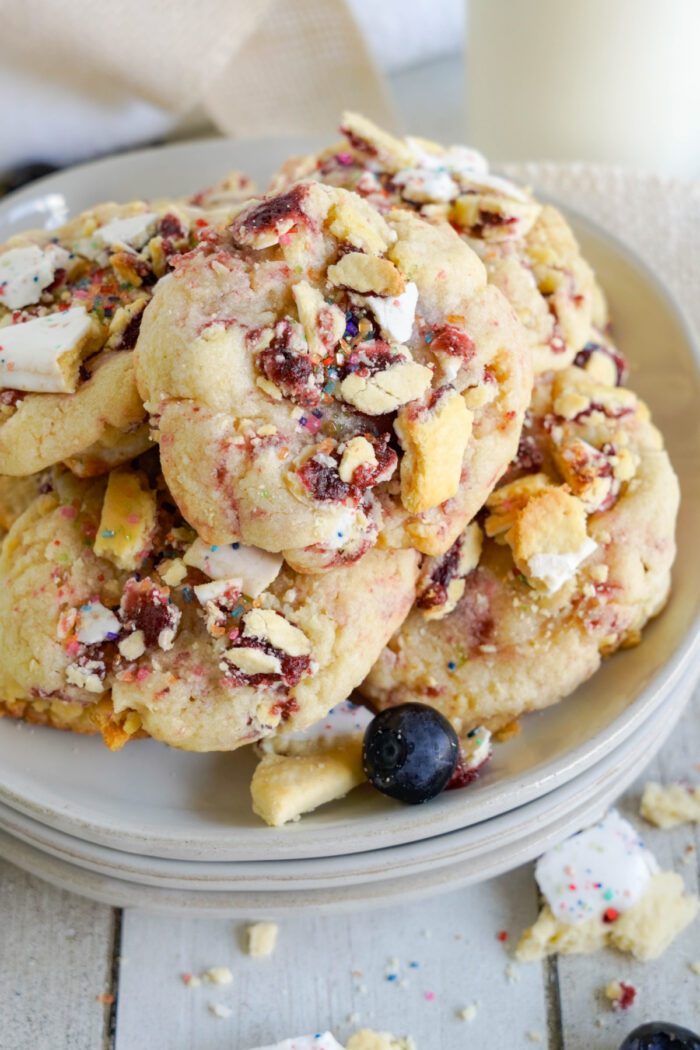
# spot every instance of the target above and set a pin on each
(660, 1035)
(410, 752)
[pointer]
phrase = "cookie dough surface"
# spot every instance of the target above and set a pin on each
(323, 379)
(114, 613)
(529, 249)
(570, 558)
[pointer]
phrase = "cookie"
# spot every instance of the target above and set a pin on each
(569, 559)
(15, 496)
(71, 303)
(528, 248)
(114, 614)
(322, 379)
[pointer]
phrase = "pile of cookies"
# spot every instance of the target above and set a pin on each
(367, 431)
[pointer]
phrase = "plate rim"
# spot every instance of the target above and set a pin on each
(581, 757)
(621, 766)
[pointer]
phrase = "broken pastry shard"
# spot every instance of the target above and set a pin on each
(603, 886)
(127, 521)
(299, 772)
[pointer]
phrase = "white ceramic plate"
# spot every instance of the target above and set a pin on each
(556, 814)
(158, 802)
(432, 866)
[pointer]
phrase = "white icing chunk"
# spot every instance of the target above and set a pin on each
(396, 314)
(459, 160)
(280, 633)
(32, 353)
(97, 623)
(254, 661)
(210, 592)
(557, 569)
(131, 233)
(465, 162)
(476, 747)
(324, 1041)
(255, 569)
(343, 528)
(424, 185)
(26, 272)
(604, 867)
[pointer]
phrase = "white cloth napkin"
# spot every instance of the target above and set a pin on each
(85, 77)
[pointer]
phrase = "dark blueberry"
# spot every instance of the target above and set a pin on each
(660, 1035)
(410, 752)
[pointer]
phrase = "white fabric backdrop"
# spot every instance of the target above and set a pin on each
(63, 105)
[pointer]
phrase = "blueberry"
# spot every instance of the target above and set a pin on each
(410, 752)
(660, 1035)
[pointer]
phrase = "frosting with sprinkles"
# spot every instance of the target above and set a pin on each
(601, 871)
(97, 624)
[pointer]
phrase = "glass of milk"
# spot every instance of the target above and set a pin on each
(593, 80)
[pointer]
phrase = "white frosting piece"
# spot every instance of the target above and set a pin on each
(396, 314)
(30, 352)
(322, 1041)
(97, 624)
(210, 592)
(132, 232)
(606, 866)
(274, 628)
(423, 184)
(476, 747)
(343, 527)
(459, 160)
(255, 569)
(26, 272)
(557, 569)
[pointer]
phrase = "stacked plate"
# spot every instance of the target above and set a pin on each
(160, 828)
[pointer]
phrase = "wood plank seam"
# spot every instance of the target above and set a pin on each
(110, 1029)
(552, 995)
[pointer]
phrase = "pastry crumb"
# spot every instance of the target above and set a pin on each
(217, 975)
(262, 939)
(469, 1013)
(667, 805)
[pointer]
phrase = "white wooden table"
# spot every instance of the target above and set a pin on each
(59, 953)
